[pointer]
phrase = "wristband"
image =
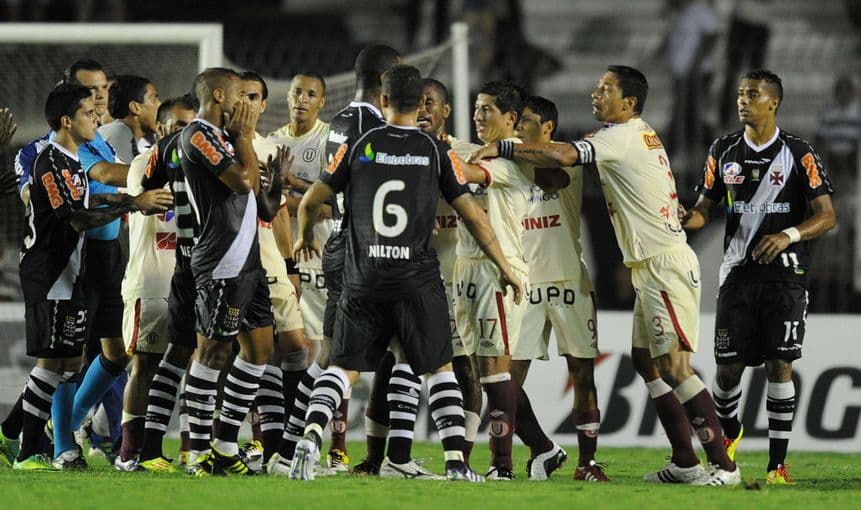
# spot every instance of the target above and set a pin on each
(793, 234)
(505, 149)
(291, 266)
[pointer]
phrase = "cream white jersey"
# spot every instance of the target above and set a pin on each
(551, 232)
(445, 242)
(309, 151)
(505, 197)
(639, 188)
(152, 243)
(270, 255)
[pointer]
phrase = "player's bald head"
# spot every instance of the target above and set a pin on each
(211, 79)
(372, 62)
(438, 87)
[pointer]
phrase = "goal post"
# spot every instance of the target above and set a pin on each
(34, 55)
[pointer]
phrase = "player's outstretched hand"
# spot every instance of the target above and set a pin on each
(303, 250)
(154, 201)
(509, 279)
(280, 164)
(489, 151)
(243, 122)
(770, 246)
(7, 128)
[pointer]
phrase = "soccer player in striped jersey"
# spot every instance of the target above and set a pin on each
(393, 176)
(643, 203)
(276, 242)
(53, 256)
(778, 198)
(146, 287)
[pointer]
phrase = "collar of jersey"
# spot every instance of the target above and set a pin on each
(359, 104)
(760, 148)
(290, 132)
(210, 124)
(65, 150)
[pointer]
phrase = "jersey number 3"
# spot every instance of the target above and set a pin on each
(395, 210)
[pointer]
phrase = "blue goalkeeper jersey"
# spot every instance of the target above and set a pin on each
(89, 154)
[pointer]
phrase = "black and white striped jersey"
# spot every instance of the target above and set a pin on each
(765, 189)
(164, 167)
(227, 243)
(345, 128)
(52, 257)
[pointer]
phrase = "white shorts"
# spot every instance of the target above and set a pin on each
(488, 321)
(145, 325)
(312, 304)
(285, 306)
(569, 308)
(456, 341)
(667, 308)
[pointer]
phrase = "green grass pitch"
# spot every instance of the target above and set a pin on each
(823, 480)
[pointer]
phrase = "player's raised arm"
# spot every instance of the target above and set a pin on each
(242, 176)
(476, 221)
(537, 154)
(116, 205)
(269, 193)
(308, 215)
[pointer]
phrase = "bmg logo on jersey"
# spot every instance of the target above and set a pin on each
(732, 173)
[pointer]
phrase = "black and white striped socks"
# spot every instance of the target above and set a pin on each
(403, 398)
(240, 389)
(37, 407)
(446, 407)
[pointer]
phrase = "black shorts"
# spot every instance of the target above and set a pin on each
(227, 306)
(363, 329)
(56, 329)
(103, 280)
(180, 310)
(760, 321)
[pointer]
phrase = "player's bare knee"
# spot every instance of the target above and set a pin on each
(778, 370)
(728, 376)
(644, 364)
(582, 372)
(519, 370)
(215, 354)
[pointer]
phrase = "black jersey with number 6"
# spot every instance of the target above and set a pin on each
(392, 177)
(765, 189)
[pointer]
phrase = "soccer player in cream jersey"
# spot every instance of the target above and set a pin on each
(488, 320)
(643, 203)
(146, 286)
(431, 119)
(275, 239)
(305, 135)
(561, 295)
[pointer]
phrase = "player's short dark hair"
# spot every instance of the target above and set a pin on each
(184, 101)
(64, 101)
(768, 77)
(545, 109)
(126, 88)
(372, 62)
(403, 86)
(439, 87)
(633, 84)
(210, 79)
(507, 96)
(315, 75)
(70, 74)
(252, 76)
